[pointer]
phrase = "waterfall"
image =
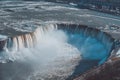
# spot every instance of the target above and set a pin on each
(13, 45)
(54, 48)
(29, 40)
(89, 34)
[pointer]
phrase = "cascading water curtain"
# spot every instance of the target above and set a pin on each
(53, 52)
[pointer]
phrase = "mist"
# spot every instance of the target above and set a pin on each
(52, 57)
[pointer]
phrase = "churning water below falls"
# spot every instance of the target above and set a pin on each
(50, 53)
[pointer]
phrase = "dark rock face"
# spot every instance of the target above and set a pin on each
(108, 71)
(2, 44)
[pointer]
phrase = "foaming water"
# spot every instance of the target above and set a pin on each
(51, 58)
(54, 58)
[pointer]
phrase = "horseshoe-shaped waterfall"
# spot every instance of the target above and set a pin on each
(42, 40)
(57, 51)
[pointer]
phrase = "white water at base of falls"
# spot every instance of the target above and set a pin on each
(51, 58)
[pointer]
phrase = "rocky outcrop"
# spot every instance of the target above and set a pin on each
(109, 71)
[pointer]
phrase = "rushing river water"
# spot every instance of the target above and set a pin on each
(34, 47)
